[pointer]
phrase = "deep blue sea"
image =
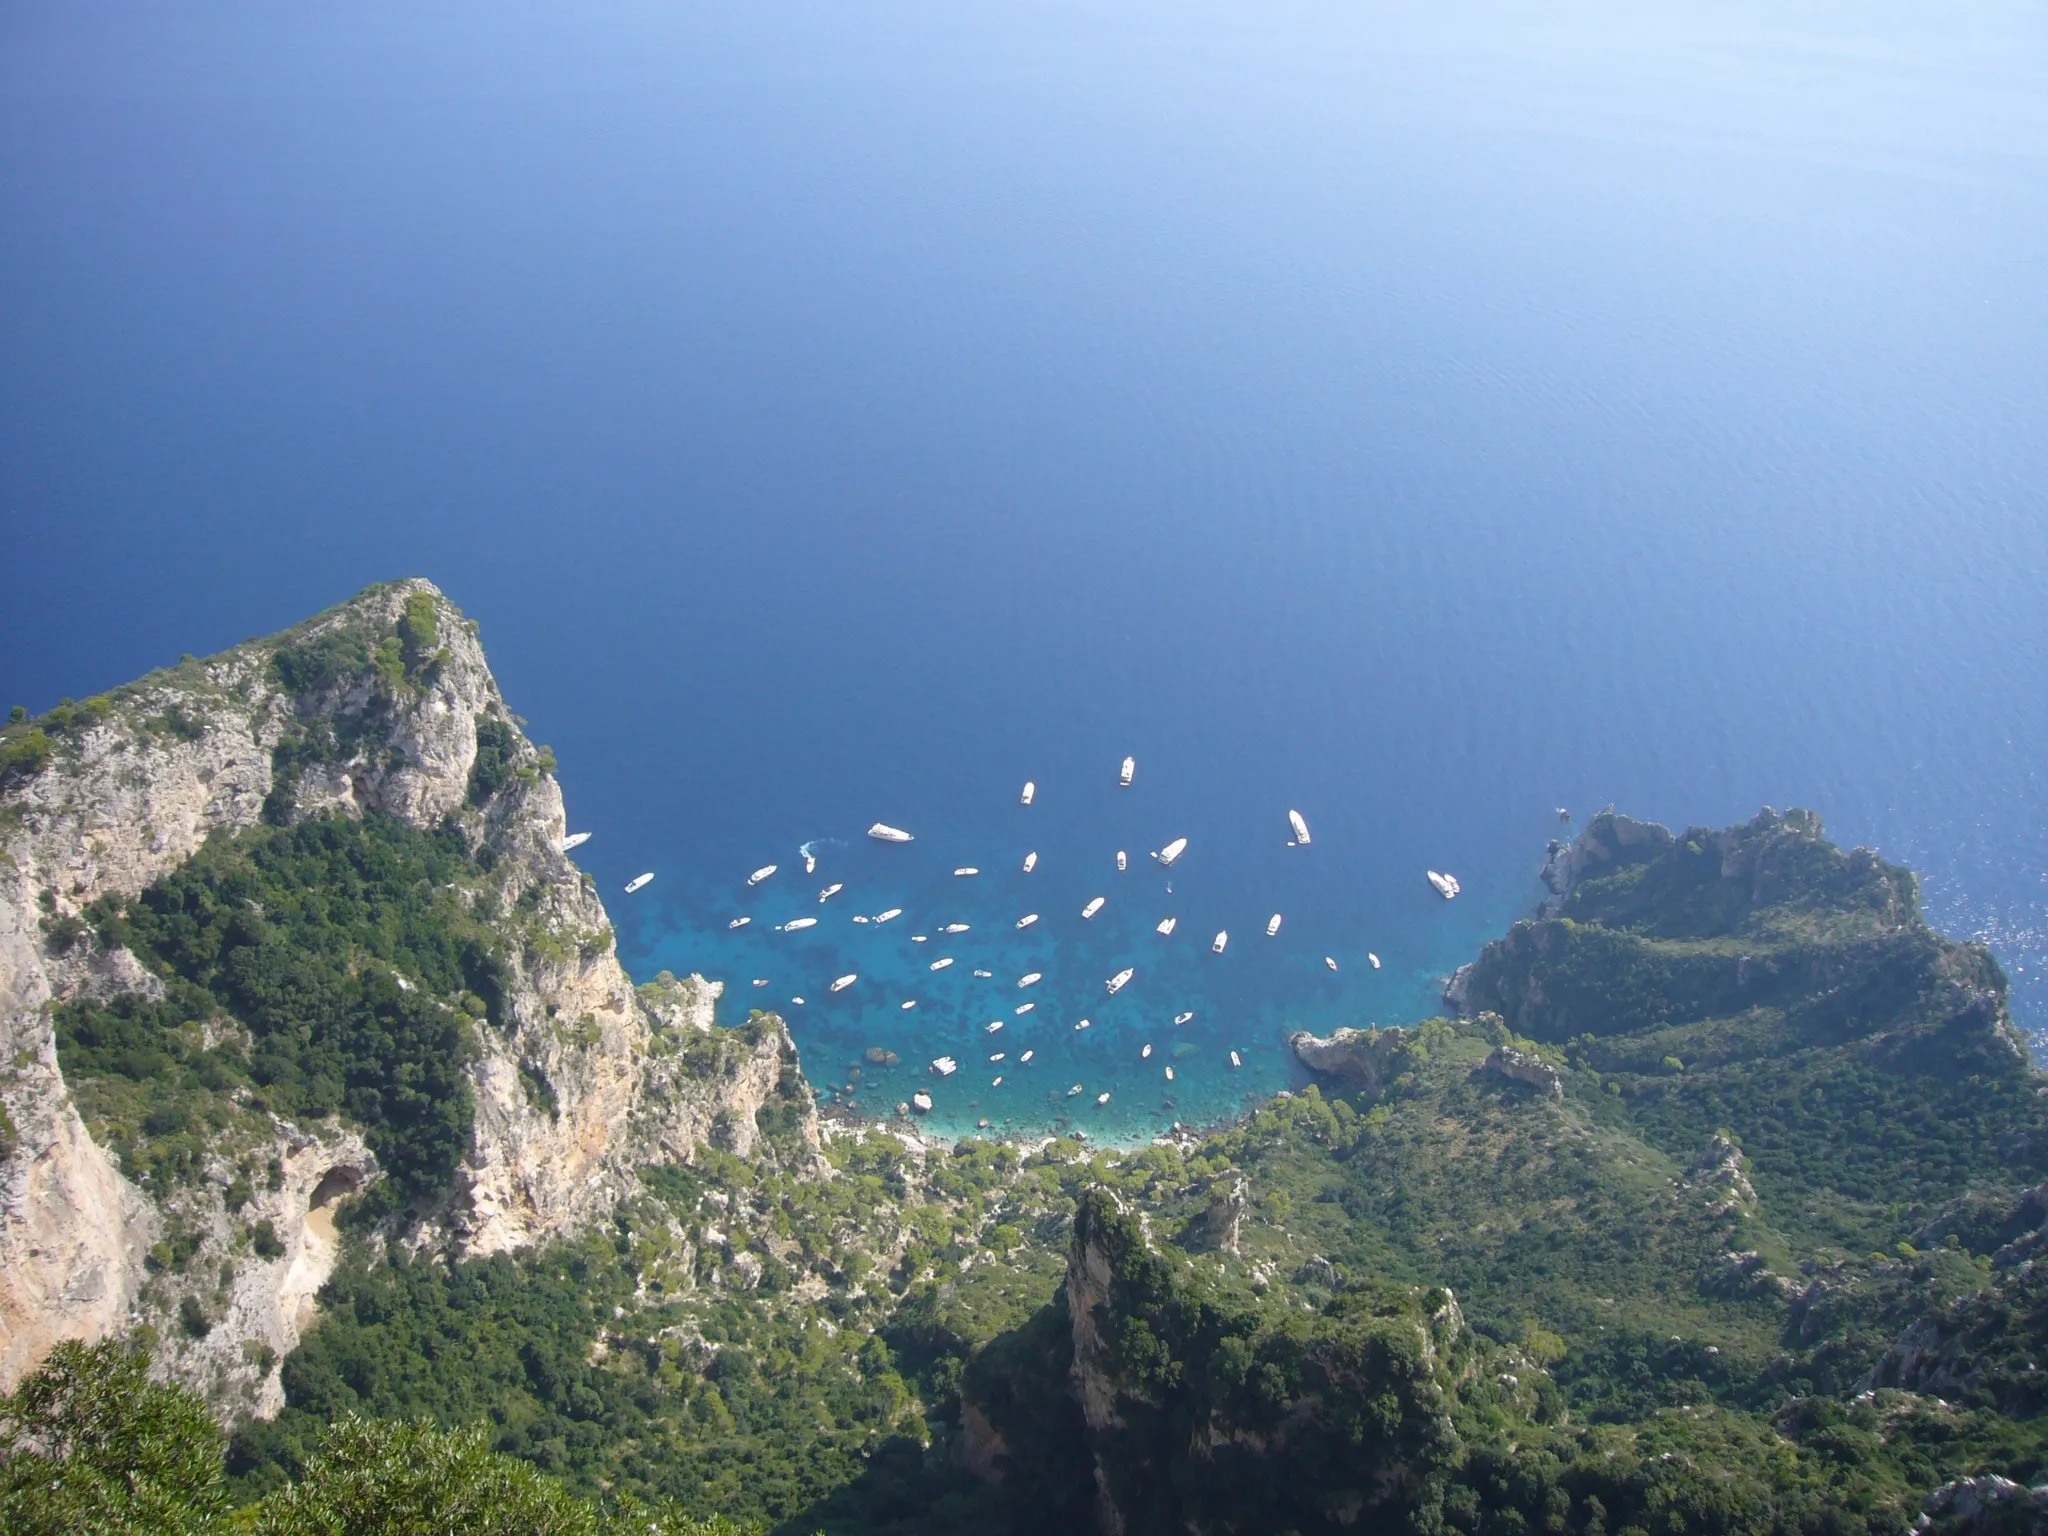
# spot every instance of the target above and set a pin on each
(1424, 417)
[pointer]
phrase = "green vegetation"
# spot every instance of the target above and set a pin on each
(334, 967)
(89, 1444)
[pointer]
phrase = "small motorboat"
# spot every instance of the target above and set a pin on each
(843, 982)
(859, 919)
(760, 981)
(1023, 1008)
(831, 890)
(1272, 925)
(889, 916)
(739, 922)
(799, 1002)
(1182, 1018)
(1330, 961)
(1120, 980)
(1221, 940)
(1076, 1091)
(1234, 1061)
(941, 963)
(639, 882)
(908, 1003)
(1030, 862)
(1300, 828)
(992, 1026)
(1027, 1056)
(1030, 793)
(1123, 861)
(762, 873)
(1027, 919)
(1094, 906)
(965, 870)
(1102, 1098)
(798, 924)
(1084, 1024)
(920, 938)
(1128, 771)
(1169, 1074)
(995, 1082)
(810, 859)
(986, 975)
(954, 928)
(997, 1055)
(1030, 978)
(1375, 959)
(1146, 1053)
(574, 841)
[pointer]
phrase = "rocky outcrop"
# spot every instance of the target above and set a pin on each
(1091, 1268)
(1609, 842)
(1985, 1504)
(1223, 1220)
(382, 704)
(1520, 1066)
(1366, 1057)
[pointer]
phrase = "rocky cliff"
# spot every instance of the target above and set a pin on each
(384, 706)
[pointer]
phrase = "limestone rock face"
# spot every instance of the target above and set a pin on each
(584, 1082)
(1090, 1275)
(1362, 1056)
(1521, 1066)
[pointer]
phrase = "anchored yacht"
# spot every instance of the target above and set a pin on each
(860, 919)
(1125, 773)
(941, 963)
(1222, 938)
(954, 928)
(1182, 1018)
(831, 890)
(1169, 1074)
(882, 832)
(966, 869)
(1075, 1091)
(574, 840)
(1027, 919)
(1234, 1061)
(1146, 1053)
(843, 982)
(1375, 959)
(1030, 978)
(1172, 851)
(1023, 1008)
(1300, 828)
(889, 916)
(762, 873)
(1330, 961)
(1166, 926)
(1030, 793)
(1121, 979)
(1027, 1056)
(1446, 885)
(1093, 907)
(797, 924)
(908, 1003)
(1084, 1024)
(1102, 1098)
(1030, 861)
(992, 1026)
(638, 881)
(985, 975)
(760, 981)
(945, 1066)
(739, 922)
(1272, 925)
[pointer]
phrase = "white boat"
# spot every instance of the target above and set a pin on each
(954, 928)
(1169, 1074)
(945, 1066)
(1234, 1061)
(985, 975)
(889, 916)
(966, 869)
(1172, 851)
(1023, 1008)
(997, 1055)
(1446, 885)
(1074, 1092)
(919, 938)
(831, 890)
(882, 832)
(941, 963)
(996, 1081)
(1030, 861)
(1027, 1056)
(638, 882)
(1146, 1053)
(1030, 978)
(1272, 925)
(1222, 938)
(1375, 959)
(992, 1026)
(842, 983)
(1121, 979)
(796, 924)
(1027, 919)
(1102, 1098)
(739, 922)
(1084, 1024)
(921, 1102)
(1125, 773)
(1300, 828)
(574, 840)
(1093, 907)
(1166, 926)
(810, 860)
(798, 1001)
(860, 919)
(1030, 793)
(1182, 1018)
(760, 981)
(762, 873)
(1330, 961)
(1123, 861)
(909, 1003)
